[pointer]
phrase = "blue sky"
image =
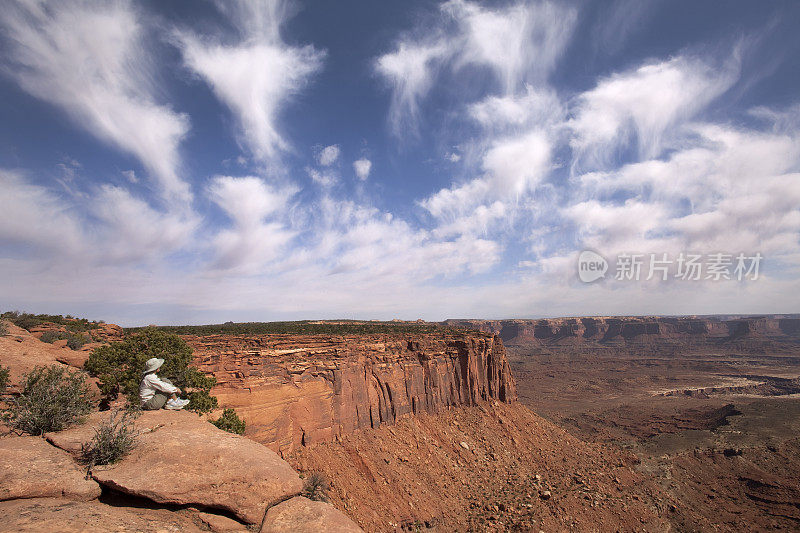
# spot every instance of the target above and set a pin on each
(190, 161)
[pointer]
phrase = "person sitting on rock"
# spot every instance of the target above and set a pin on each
(155, 392)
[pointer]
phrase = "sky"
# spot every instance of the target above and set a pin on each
(194, 161)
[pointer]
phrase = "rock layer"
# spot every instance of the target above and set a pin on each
(623, 330)
(293, 390)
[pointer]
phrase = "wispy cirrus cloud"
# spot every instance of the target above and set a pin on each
(257, 74)
(518, 44)
(91, 59)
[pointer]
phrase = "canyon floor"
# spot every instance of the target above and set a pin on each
(713, 423)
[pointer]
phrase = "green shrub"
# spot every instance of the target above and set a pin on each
(113, 439)
(3, 379)
(119, 367)
(29, 320)
(76, 342)
(230, 422)
(52, 399)
(316, 487)
(52, 336)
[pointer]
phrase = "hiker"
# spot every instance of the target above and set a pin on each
(155, 393)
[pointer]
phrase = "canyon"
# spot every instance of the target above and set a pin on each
(636, 423)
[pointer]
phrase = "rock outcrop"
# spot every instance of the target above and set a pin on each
(182, 459)
(301, 515)
(293, 390)
(31, 468)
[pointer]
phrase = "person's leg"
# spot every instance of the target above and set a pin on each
(156, 402)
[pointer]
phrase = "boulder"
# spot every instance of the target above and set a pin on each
(65, 516)
(182, 459)
(34, 469)
(301, 515)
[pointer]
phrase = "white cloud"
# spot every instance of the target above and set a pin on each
(517, 164)
(328, 155)
(257, 236)
(32, 216)
(410, 70)
(257, 76)
(537, 107)
(130, 175)
(131, 230)
(325, 178)
(91, 59)
(519, 43)
(732, 190)
(644, 103)
(362, 168)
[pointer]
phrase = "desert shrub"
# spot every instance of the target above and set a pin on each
(52, 336)
(316, 487)
(3, 328)
(118, 366)
(76, 342)
(113, 439)
(27, 321)
(3, 379)
(230, 422)
(30, 320)
(52, 399)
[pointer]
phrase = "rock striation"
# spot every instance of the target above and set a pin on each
(624, 330)
(293, 390)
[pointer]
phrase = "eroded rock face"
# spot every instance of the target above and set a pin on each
(620, 330)
(32, 468)
(293, 390)
(182, 459)
(301, 515)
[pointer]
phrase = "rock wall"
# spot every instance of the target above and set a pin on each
(620, 330)
(293, 390)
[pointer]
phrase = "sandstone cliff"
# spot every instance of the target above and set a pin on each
(622, 330)
(294, 390)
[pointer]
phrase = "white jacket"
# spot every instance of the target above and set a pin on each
(151, 384)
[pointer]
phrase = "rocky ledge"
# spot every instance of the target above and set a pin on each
(297, 389)
(183, 475)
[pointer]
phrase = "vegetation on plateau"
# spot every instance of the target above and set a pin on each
(304, 327)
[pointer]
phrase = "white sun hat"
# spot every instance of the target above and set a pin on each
(152, 365)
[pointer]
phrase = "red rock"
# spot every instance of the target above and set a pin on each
(32, 468)
(293, 390)
(301, 515)
(57, 515)
(182, 459)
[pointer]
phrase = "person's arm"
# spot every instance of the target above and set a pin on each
(156, 383)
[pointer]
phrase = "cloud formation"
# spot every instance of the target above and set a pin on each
(257, 75)
(91, 59)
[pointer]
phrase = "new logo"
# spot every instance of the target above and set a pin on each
(591, 266)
